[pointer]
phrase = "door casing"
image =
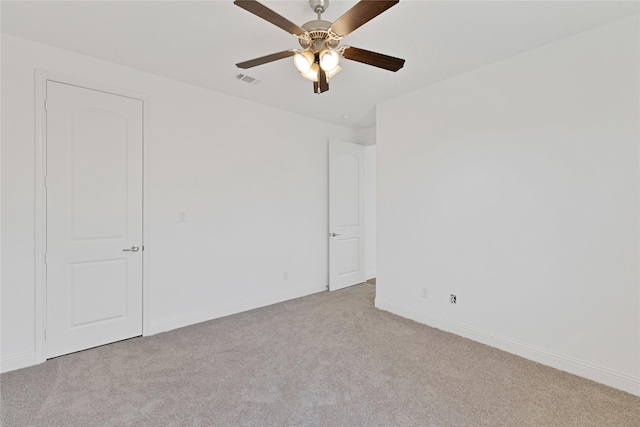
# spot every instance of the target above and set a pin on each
(41, 78)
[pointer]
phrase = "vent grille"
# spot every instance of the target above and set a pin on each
(248, 79)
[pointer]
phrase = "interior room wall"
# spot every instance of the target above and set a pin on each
(254, 191)
(367, 137)
(516, 188)
(370, 212)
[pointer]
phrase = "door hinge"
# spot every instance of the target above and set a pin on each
(46, 181)
(45, 334)
(45, 257)
(45, 104)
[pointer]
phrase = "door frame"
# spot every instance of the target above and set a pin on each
(40, 217)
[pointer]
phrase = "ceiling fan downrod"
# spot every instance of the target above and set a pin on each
(319, 6)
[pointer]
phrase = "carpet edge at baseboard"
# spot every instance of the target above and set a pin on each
(568, 364)
(218, 312)
(17, 361)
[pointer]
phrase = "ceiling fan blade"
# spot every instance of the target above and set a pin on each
(264, 59)
(372, 58)
(323, 83)
(360, 14)
(267, 14)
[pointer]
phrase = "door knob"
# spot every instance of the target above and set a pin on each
(133, 248)
(334, 234)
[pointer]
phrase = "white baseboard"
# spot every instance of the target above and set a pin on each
(564, 363)
(215, 313)
(369, 275)
(18, 361)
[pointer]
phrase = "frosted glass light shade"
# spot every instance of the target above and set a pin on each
(312, 74)
(303, 61)
(329, 59)
(333, 72)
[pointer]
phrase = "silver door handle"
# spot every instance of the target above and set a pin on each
(133, 248)
(334, 234)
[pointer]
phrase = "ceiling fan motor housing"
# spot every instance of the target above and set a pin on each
(318, 36)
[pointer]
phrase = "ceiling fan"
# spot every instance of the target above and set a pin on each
(320, 54)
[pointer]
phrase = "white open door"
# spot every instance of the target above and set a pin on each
(94, 218)
(346, 214)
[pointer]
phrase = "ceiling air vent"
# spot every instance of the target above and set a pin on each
(248, 79)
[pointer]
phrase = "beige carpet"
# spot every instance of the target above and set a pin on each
(328, 359)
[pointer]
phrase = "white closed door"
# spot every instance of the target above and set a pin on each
(346, 214)
(94, 218)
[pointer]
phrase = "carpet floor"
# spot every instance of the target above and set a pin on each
(329, 359)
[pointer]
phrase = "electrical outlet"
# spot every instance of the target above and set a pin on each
(285, 275)
(425, 292)
(452, 299)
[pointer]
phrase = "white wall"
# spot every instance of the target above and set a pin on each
(367, 137)
(370, 211)
(255, 194)
(516, 187)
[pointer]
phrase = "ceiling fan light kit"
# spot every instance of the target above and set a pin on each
(319, 58)
(329, 59)
(312, 74)
(303, 60)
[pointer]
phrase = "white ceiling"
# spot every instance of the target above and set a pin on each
(199, 43)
